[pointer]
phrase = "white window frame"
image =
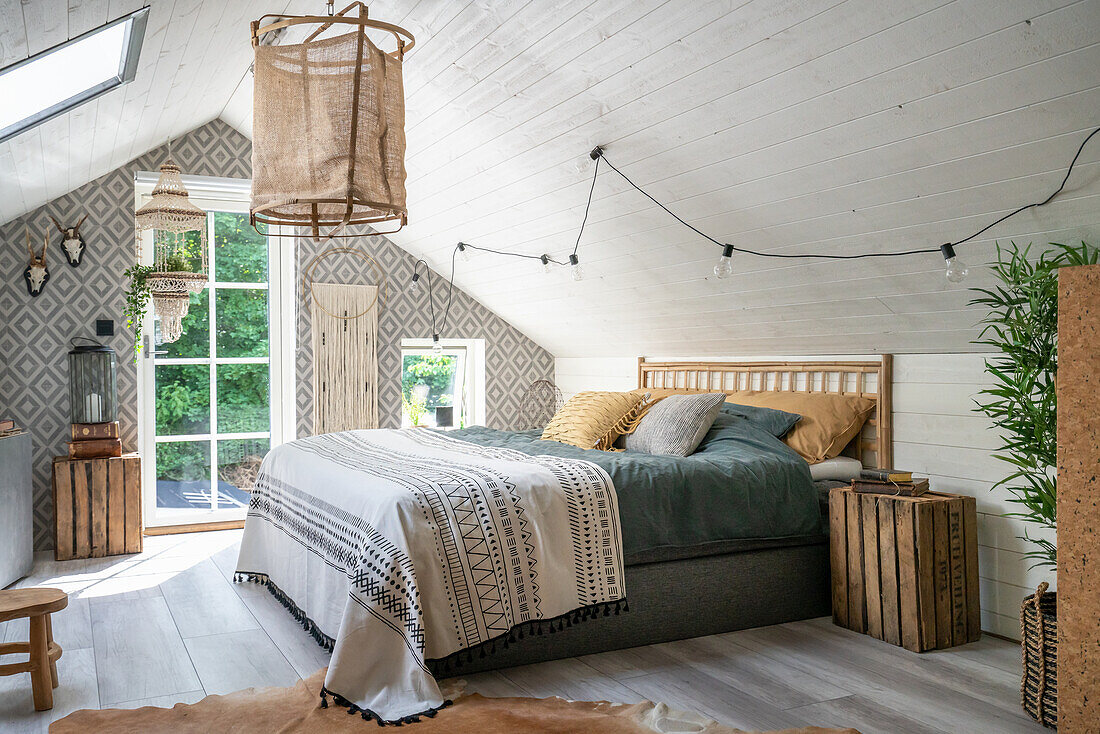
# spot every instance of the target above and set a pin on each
(227, 195)
(474, 400)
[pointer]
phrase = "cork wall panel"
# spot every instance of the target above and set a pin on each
(1078, 499)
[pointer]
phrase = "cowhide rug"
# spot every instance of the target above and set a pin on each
(298, 710)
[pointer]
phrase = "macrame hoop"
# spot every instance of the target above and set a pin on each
(380, 280)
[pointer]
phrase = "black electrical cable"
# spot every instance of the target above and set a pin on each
(595, 172)
(598, 154)
(511, 254)
(922, 251)
(451, 282)
(1038, 203)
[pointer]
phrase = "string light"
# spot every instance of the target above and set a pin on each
(960, 268)
(575, 267)
(956, 270)
(724, 268)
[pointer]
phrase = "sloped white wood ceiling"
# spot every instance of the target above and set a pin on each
(194, 55)
(787, 126)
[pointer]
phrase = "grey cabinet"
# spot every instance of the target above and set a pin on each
(16, 525)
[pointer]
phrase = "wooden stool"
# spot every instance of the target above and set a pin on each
(37, 604)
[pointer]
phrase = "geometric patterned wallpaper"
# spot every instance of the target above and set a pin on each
(35, 332)
(512, 361)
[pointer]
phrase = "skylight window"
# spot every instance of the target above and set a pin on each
(58, 79)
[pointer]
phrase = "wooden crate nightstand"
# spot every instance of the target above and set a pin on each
(905, 569)
(97, 506)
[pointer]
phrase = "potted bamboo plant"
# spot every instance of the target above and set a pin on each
(1022, 326)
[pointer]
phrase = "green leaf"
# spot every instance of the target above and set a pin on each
(1021, 402)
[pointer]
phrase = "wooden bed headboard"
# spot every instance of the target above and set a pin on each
(873, 446)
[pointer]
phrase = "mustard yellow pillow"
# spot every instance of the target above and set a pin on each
(593, 420)
(829, 421)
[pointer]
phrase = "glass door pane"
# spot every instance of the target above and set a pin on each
(183, 477)
(210, 392)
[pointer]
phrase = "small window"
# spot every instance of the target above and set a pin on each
(441, 389)
(60, 78)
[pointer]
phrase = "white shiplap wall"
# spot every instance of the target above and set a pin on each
(937, 433)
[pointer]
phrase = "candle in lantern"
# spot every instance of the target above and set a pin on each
(93, 407)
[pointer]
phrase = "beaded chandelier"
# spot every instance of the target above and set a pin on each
(170, 214)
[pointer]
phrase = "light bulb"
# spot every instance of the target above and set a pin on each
(545, 263)
(724, 268)
(463, 252)
(575, 268)
(414, 286)
(436, 346)
(956, 269)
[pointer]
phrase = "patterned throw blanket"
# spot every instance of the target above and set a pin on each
(397, 547)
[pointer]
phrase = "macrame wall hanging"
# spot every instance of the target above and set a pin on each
(344, 336)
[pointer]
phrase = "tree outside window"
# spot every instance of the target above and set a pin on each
(428, 381)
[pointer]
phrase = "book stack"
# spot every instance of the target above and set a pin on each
(8, 428)
(890, 481)
(95, 441)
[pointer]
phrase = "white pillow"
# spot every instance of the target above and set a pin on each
(840, 469)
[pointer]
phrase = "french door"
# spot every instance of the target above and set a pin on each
(217, 399)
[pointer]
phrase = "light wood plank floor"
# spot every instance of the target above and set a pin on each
(169, 626)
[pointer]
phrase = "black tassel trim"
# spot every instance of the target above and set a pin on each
(453, 663)
(307, 624)
(449, 664)
(368, 715)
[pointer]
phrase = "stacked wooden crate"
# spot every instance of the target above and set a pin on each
(97, 506)
(905, 569)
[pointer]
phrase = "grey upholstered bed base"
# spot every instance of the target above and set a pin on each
(677, 599)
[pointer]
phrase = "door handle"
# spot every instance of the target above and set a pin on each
(146, 343)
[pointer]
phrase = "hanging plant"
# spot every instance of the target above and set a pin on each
(137, 301)
(139, 293)
(1022, 326)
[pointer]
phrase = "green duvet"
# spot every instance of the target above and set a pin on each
(741, 483)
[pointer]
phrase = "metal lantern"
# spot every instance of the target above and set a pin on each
(328, 127)
(93, 382)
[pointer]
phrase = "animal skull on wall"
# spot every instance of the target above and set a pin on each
(72, 243)
(36, 274)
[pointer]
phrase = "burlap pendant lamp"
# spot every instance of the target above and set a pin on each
(328, 131)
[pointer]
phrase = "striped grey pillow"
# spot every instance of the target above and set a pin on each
(675, 425)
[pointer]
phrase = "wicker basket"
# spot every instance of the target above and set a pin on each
(1039, 629)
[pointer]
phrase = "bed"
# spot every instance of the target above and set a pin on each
(715, 586)
(728, 538)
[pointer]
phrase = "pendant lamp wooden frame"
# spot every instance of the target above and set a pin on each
(315, 221)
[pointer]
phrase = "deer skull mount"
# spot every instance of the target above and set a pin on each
(72, 242)
(36, 274)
